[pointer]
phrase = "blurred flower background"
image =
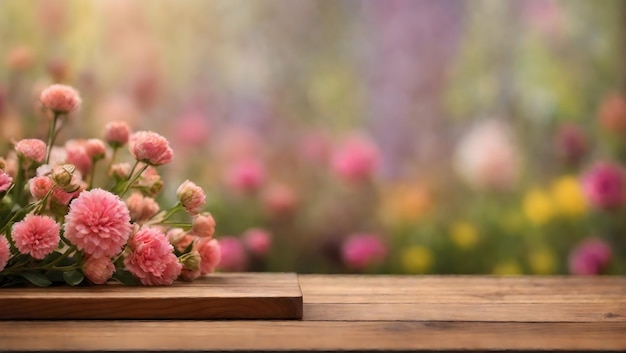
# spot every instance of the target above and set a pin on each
(397, 136)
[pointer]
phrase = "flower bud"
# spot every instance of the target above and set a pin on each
(191, 196)
(203, 225)
(95, 149)
(191, 260)
(62, 174)
(120, 171)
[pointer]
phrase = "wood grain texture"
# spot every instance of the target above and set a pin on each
(221, 296)
(371, 313)
(309, 335)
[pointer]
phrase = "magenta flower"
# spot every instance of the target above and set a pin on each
(210, 254)
(203, 225)
(356, 159)
(40, 186)
(363, 250)
(150, 148)
(98, 223)
(98, 270)
(31, 150)
(5, 252)
(151, 258)
(258, 241)
(61, 99)
(36, 236)
(141, 208)
(5, 181)
(117, 133)
(603, 185)
(589, 257)
(233, 256)
(246, 175)
(191, 196)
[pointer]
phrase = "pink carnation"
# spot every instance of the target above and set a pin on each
(98, 270)
(77, 155)
(279, 199)
(590, 257)
(5, 252)
(40, 186)
(95, 149)
(5, 181)
(151, 258)
(32, 150)
(258, 241)
(35, 235)
(246, 175)
(603, 185)
(141, 208)
(363, 250)
(150, 148)
(356, 159)
(191, 196)
(98, 223)
(233, 256)
(203, 225)
(61, 99)
(210, 254)
(117, 133)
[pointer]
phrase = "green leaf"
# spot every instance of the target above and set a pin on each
(48, 259)
(125, 277)
(36, 278)
(55, 276)
(73, 278)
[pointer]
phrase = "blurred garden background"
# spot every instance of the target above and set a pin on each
(476, 136)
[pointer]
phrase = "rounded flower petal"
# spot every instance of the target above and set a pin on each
(32, 150)
(36, 236)
(61, 99)
(98, 270)
(151, 258)
(191, 196)
(150, 148)
(98, 223)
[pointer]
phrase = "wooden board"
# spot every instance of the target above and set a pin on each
(219, 296)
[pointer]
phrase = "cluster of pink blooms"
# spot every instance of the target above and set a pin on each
(361, 251)
(64, 216)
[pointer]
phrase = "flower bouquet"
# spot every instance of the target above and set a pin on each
(57, 227)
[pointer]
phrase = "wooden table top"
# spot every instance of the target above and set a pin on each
(402, 313)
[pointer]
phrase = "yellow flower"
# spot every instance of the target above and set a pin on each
(542, 261)
(464, 235)
(568, 196)
(538, 207)
(417, 259)
(507, 268)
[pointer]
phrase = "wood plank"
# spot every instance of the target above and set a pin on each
(462, 289)
(219, 296)
(308, 335)
(452, 312)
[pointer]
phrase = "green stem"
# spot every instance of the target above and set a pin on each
(134, 179)
(19, 183)
(92, 174)
(51, 136)
(113, 157)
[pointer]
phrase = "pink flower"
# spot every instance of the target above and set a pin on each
(5, 181)
(78, 156)
(37, 236)
(210, 254)
(233, 256)
(20, 58)
(191, 266)
(40, 186)
(61, 99)
(279, 199)
(603, 185)
(95, 149)
(151, 258)
(141, 208)
(570, 143)
(356, 159)
(32, 150)
(191, 197)
(192, 129)
(150, 182)
(612, 114)
(246, 175)
(589, 257)
(363, 250)
(315, 147)
(203, 225)
(487, 158)
(150, 148)
(98, 223)
(5, 252)
(98, 270)
(258, 241)
(120, 171)
(62, 197)
(117, 133)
